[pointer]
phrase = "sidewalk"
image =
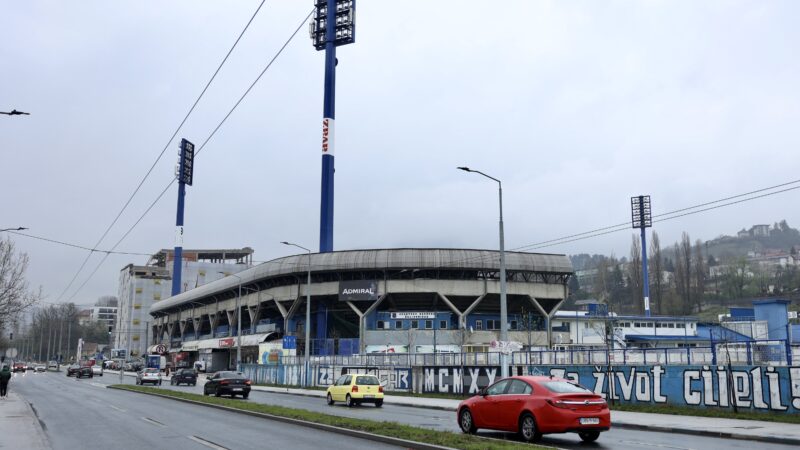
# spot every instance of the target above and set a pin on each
(19, 426)
(754, 430)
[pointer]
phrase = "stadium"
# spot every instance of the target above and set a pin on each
(365, 301)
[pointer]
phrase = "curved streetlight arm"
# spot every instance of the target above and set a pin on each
(467, 169)
(295, 245)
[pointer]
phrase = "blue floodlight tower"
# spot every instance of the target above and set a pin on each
(184, 172)
(341, 15)
(642, 218)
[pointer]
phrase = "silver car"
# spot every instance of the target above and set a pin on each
(148, 375)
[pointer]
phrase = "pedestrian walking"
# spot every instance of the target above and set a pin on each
(5, 377)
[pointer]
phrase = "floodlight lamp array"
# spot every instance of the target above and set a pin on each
(641, 216)
(345, 19)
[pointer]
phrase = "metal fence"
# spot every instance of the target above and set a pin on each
(774, 352)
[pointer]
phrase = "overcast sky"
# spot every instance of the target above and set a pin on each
(576, 106)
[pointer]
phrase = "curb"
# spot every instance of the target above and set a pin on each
(38, 424)
(707, 433)
(329, 428)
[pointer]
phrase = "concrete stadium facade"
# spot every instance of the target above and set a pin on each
(424, 299)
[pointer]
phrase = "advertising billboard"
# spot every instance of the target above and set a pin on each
(358, 290)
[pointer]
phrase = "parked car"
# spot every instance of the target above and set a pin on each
(184, 376)
(52, 365)
(97, 370)
(30, 366)
(84, 372)
(355, 389)
(148, 376)
(73, 369)
(227, 383)
(533, 406)
(40, 368)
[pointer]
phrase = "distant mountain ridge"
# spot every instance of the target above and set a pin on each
(758, 239)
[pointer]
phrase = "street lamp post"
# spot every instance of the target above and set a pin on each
(238, 322)
(308, 308)
(503, 299)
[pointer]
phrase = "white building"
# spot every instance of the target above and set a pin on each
(587, 330)
(107, 314)
(142, 286)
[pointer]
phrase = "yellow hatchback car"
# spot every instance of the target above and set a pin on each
(355, 389)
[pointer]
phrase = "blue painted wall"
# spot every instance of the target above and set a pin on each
(775, 313)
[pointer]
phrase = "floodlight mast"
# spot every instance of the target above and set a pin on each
(641, 217)
(333, 25)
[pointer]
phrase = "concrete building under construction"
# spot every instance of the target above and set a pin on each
(140, 287)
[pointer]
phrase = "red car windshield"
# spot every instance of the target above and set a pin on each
(562, 387)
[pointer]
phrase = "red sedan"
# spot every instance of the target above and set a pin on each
(533, 406)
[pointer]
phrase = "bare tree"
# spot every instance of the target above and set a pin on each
(699, 275)
(635, 274)
(656, 271)
(683, 272)
(735, 277)
(15, 294)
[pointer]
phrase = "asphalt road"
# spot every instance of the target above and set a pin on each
(446, 421)
(84, 414)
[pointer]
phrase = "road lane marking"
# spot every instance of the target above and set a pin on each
(153, 421)
(118, 409)
(650, 444)
(207, 443)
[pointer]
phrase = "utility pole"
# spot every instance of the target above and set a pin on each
(49, 342)
(41, 340)
(69, 335)
(60, 339)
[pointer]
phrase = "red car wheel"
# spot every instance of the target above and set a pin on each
(466, 422)
(527, 428)
(589, 436)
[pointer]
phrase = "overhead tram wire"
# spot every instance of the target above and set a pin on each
(166, 146)
(54, 241)
(199, 149)
(664, 217)
(675, 216)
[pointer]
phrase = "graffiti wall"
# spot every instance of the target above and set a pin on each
(458, 380)
(756, 388)
(391, 378)
(759, 388)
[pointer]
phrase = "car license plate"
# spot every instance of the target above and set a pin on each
(369, 396)
(237, 389)
(590, 420)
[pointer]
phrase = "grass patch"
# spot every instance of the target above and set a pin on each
(387, 393)
(708, 412)
(392, 429)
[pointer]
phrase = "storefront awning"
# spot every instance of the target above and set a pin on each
(248, 340)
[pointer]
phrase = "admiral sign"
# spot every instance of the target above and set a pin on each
(358, 290)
